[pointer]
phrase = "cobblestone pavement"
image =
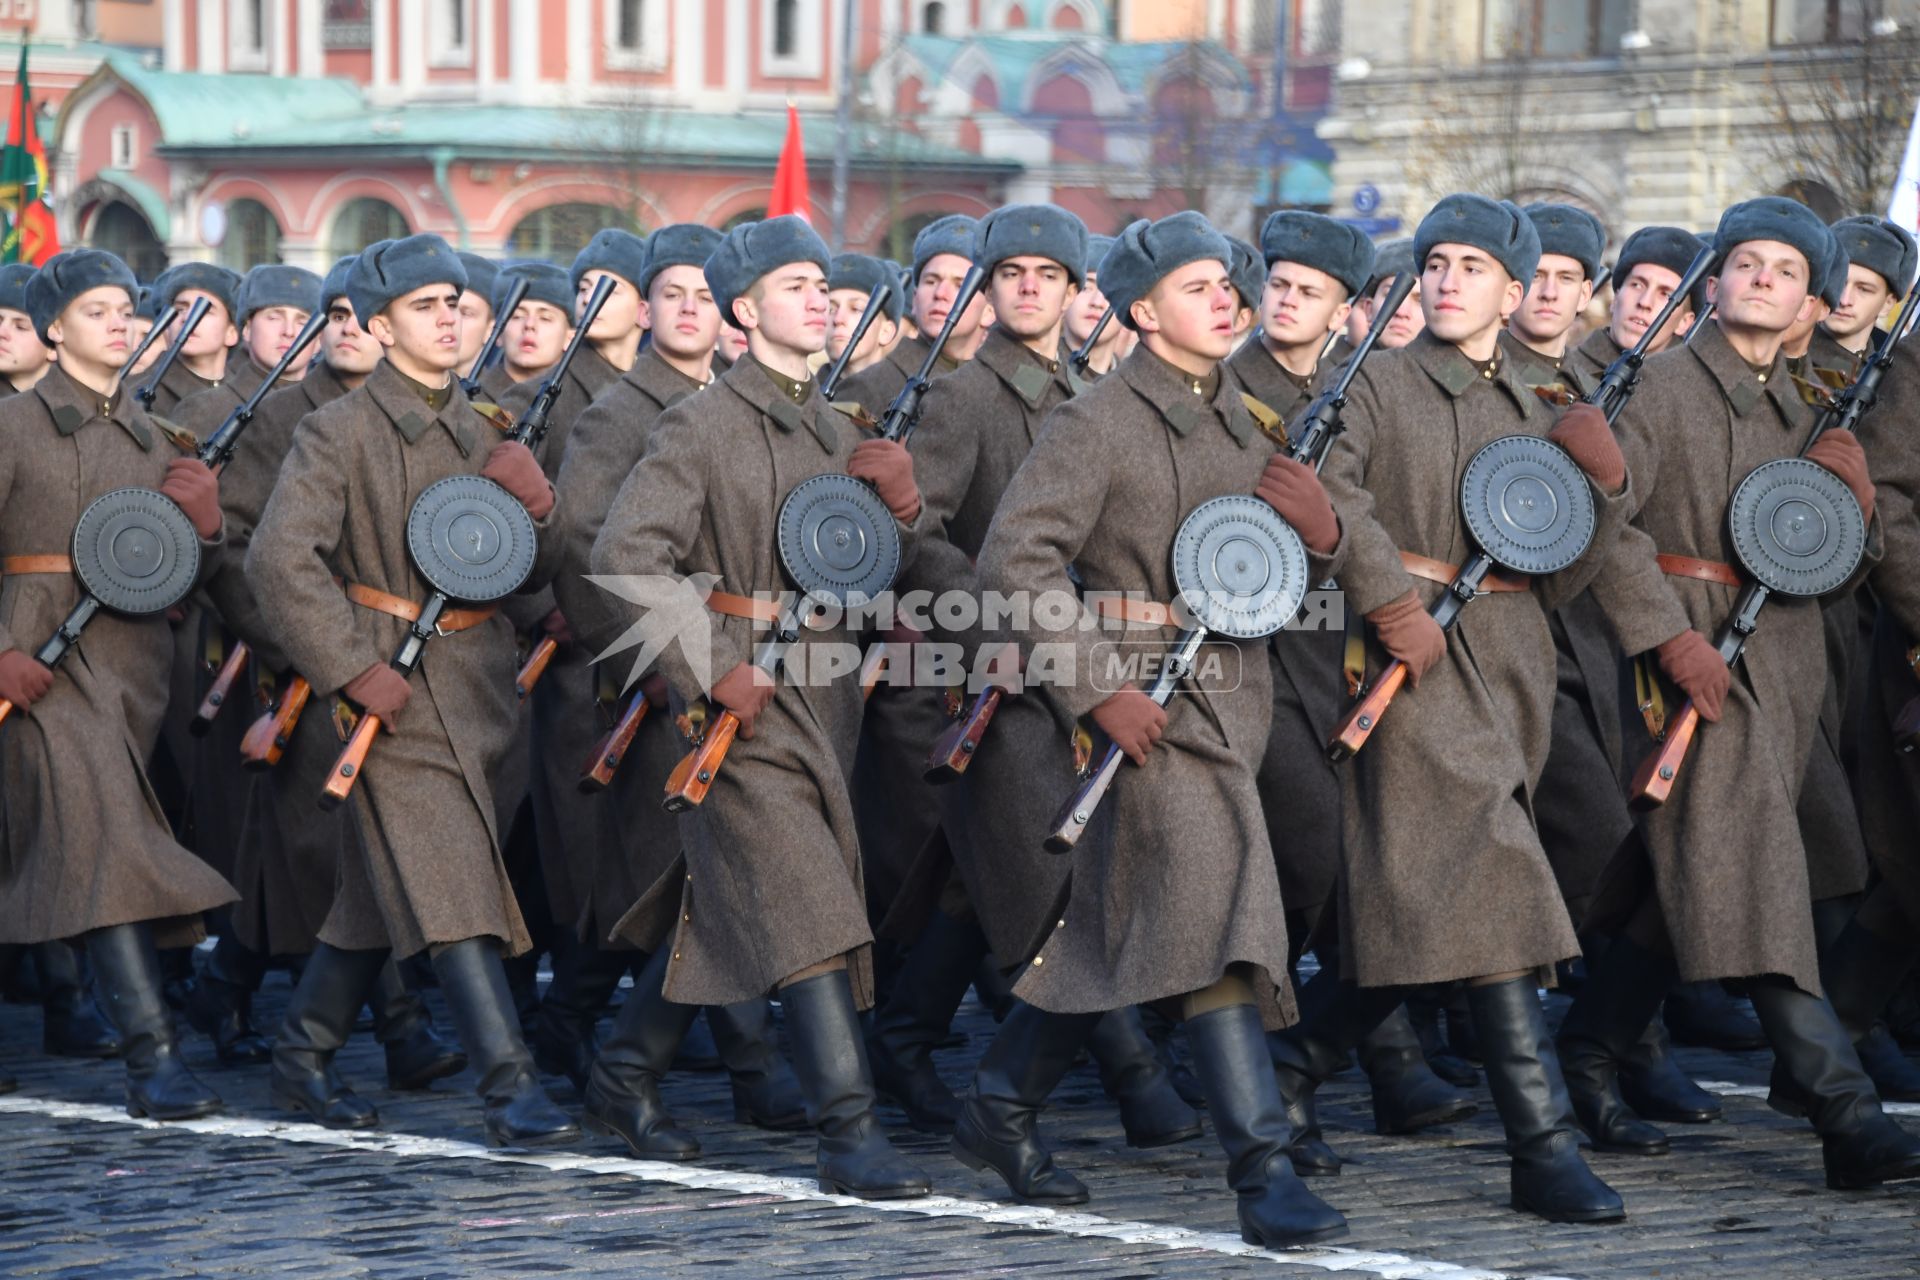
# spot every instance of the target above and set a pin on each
(86, 1192)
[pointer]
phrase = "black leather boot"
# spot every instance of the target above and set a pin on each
(584, 980)
(1703, 1015)
(623, 1084)
(220, 1003)
(926, 992)
(999, 1121)
(765, 1094)
(1548, 1176)
(73, 1027)
(126, 970)
(402, 1023)
(854, 1157)
(1425, 1011)
(1250, 1119)
(1653, 1083)
(1407, 1095)
(1624, 987)
(518, 1111)
(319, 1019)
(1861, 970)
(1152, 1112)
(1335, 1017)
(1860, 1144)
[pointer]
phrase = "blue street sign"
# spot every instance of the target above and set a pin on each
(1373, 226)
(1366, 198)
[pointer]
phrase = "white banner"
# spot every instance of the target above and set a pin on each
(1904, 208)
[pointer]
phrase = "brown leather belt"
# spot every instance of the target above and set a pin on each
(36, 564)
(450, 621)
(1443, 573)
(1148, 613)
(744, 606)
(1703, 570)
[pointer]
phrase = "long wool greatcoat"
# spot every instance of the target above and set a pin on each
(1579, 806)
(182, 383)
(874, 387)
(424, 803)
(768, 881)
(1726, 847)
(1445, 876)
(1887, 784)
(977, 426)
(625, 839)
(86, 843)
(289, 847)
(1179, 882)
(1299, 787)
(561, 716)
(213, 761)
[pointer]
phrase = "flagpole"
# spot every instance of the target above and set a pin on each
(843, 127)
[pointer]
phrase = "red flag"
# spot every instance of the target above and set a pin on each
(790, 178)
(27, 230)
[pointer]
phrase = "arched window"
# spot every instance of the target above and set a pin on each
(560, 231)
(786, 28)
(1016, 18)
(253, 236)
(360, 222)
(1067, 18)
(986, 94)
(745, 215)
(933, 18)
(1817, 196)
(1077, 135)
(122, 231)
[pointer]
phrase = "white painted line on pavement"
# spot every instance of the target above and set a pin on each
(1388, 1266)
(1760, 1091)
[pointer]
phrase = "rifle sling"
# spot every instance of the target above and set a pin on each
(450, 621)
(1443, 573)
(1702, 570)
(12, 565)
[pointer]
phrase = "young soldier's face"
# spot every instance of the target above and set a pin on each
(1560, 292)
(270, 331)
(1406, 323)
(1029, 296)
(91, 334)
(1191, 309)
(421, 330)
(1763, 285)
(1084, 312)
(934, 294)
(349, 349)
(619, 316)
(1301, 305)
(788, 308)
(21, 350)
(215, 330)
(1464, 293)
(476, 321)
(1636, 304)
(535, 335)
(682, 314)
(733, 342)
(1862, 306)
(844, 309)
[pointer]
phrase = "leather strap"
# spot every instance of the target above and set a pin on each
(1703, 570)
(451, 620)
(11, 565)
(743, 606)
(1647, 696)
(1443, 573)
(1147, 613)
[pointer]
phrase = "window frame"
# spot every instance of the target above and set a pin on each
(807, 61)
(1536, 11)
(441, 50)
(651, 54)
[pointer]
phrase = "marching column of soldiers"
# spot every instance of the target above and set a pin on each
(350, 692)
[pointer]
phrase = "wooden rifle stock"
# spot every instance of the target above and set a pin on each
(1653, 781)
(267, 739)
(612, 749)
(954, 751)
(687, 786)
(6, 709)
(870, 669)
(1359, 724)
(219, 690)
(534, 667)
(1072, 820)
(352, 761)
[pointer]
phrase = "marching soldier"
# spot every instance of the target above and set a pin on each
(1645, 274)
(1727, 859)
(766, 890)
(1174, 896)
(203, 360)
(1390, 260)
(288, 852)
(1083, 317)
(476, 307)
(1249, 276)
(637, 841)
(88, 852)
(23, 357)
(1830, 363)
(538, 331)
(942, 255)
(1472, 898)
(330, 565)
(854, 279)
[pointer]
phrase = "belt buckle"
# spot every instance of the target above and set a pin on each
(440, 625)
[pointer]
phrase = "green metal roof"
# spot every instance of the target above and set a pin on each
(150, 202)
(196, 109)
(1015, 58)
